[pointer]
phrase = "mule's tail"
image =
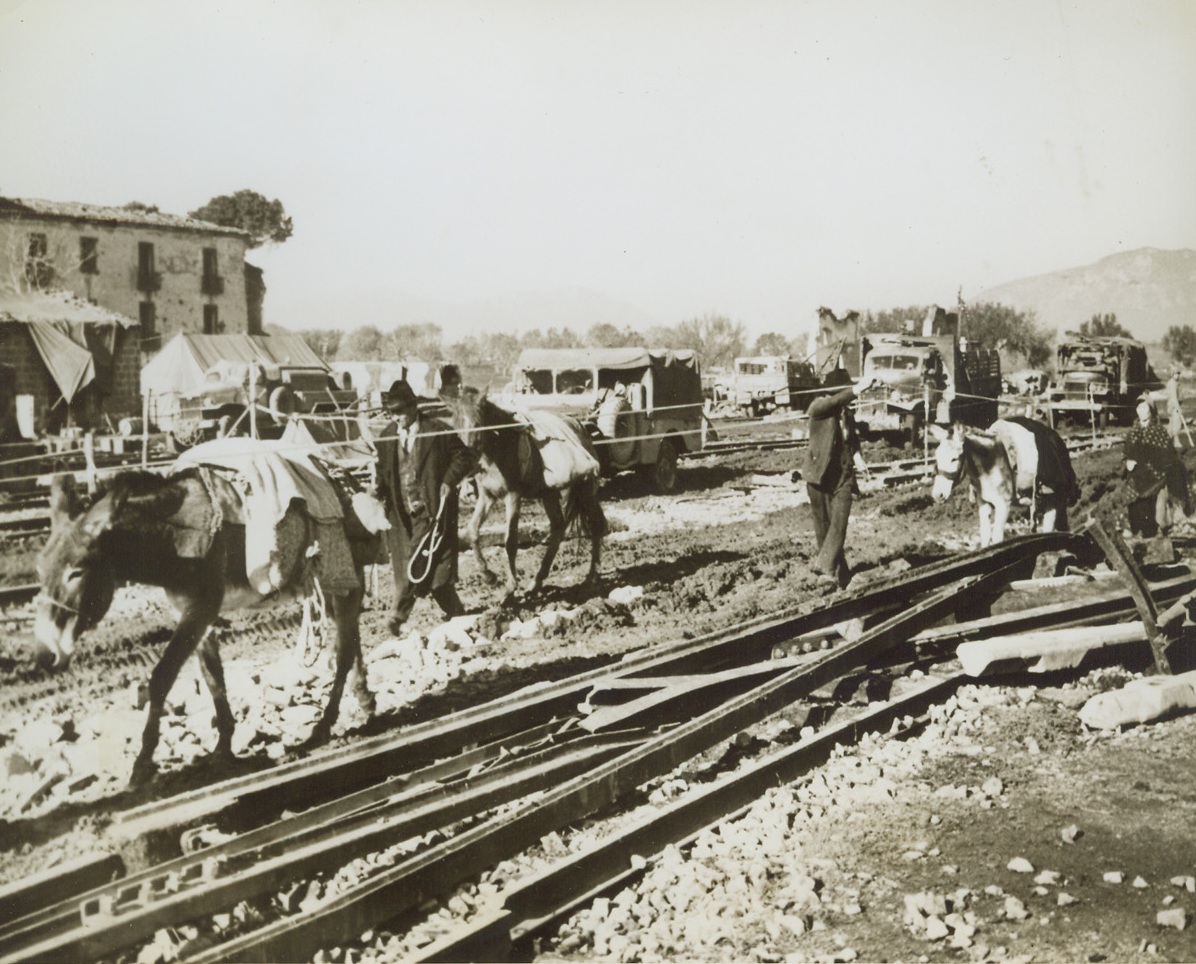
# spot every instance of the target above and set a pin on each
(583, 507)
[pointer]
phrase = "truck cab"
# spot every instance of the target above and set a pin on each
(1097, 380)
(764, 382)
(935, 377)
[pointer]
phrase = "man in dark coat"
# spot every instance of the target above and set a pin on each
(421, 462)
(829, 470)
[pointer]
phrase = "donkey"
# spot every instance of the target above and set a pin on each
(1016, 456)
(541, 455)
(130, 534)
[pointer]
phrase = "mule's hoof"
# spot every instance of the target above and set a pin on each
(142, 774)
(490, 578)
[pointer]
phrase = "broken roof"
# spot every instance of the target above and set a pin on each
(36, 209)
(43, 306)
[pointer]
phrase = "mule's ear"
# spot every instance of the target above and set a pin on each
(65, 501)
(938, 433)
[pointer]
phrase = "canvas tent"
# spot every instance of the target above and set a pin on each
(178, 370)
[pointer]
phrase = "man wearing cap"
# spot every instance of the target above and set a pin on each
(421, 462)
(829, 470)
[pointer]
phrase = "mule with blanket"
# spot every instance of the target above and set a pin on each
(538, 455)
(1015, 457)
(237, 524)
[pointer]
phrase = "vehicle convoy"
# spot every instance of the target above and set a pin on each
(641, 406)
(1098, 379)
(934, 377)
(277, 392)
(764, 382)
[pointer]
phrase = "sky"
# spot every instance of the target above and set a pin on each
(661, 159)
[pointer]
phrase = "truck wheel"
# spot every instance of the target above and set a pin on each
(664, 472)
(281, 403)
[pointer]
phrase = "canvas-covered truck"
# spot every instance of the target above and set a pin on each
(641, 406)
(1098, 379)
(765, 382)
(277, 391)
(931, 377)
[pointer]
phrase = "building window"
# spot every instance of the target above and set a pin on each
(211, 320)
(39, 272)
(89, 258)
(148, 313)
(147, 278)
(211, 283)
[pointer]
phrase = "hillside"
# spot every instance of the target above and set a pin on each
(1148, 289)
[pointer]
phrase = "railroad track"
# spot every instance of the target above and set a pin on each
(444, 800)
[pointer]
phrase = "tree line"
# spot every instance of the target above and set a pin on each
(716, 339)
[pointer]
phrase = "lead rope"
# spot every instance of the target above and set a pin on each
(314, 627)
(426, 548)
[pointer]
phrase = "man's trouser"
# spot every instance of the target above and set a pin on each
(831, 510)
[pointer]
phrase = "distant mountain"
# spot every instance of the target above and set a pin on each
(1148, 290)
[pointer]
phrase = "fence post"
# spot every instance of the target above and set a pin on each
(145, 407)
(89, 456)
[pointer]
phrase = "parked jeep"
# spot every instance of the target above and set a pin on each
(278, 391)
(641, 406)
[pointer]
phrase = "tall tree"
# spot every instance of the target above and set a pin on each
(1013, 331)
(264, 220)
(362, 344)
(771, 343)
(1180, 343)
(715, 339)
(606, 335)
(1105, 326)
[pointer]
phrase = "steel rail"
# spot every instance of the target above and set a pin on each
(30, 918)
(326, 774)
(435, 871)
(551, 895)
(18, 595)
(122, 914)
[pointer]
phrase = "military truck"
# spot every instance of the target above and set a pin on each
(930, 377)
(641, 406)
(277, 392)
(1098, 379)
(765, 382)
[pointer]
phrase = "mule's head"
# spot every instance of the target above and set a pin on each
(76, 582)
(948, 458)
(469, 412)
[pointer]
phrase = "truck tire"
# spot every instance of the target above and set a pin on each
(281, 403)
(664, 471)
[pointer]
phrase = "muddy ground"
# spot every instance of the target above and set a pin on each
(1006, 772)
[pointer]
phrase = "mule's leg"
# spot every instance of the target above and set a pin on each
(1000, 517)
(551, 500)
(346, 612)
(986, 524)
(213, 674)
(596, 520)
(512, 542)
(192, 625)
(480, 511)
(1051, 516)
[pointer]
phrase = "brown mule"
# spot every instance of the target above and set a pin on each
(129, 534)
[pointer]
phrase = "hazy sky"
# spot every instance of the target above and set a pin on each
(752, 158)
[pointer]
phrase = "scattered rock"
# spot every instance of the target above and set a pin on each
(1177, 917)
(1020, 865)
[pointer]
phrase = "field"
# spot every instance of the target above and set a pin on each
(851, 864)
